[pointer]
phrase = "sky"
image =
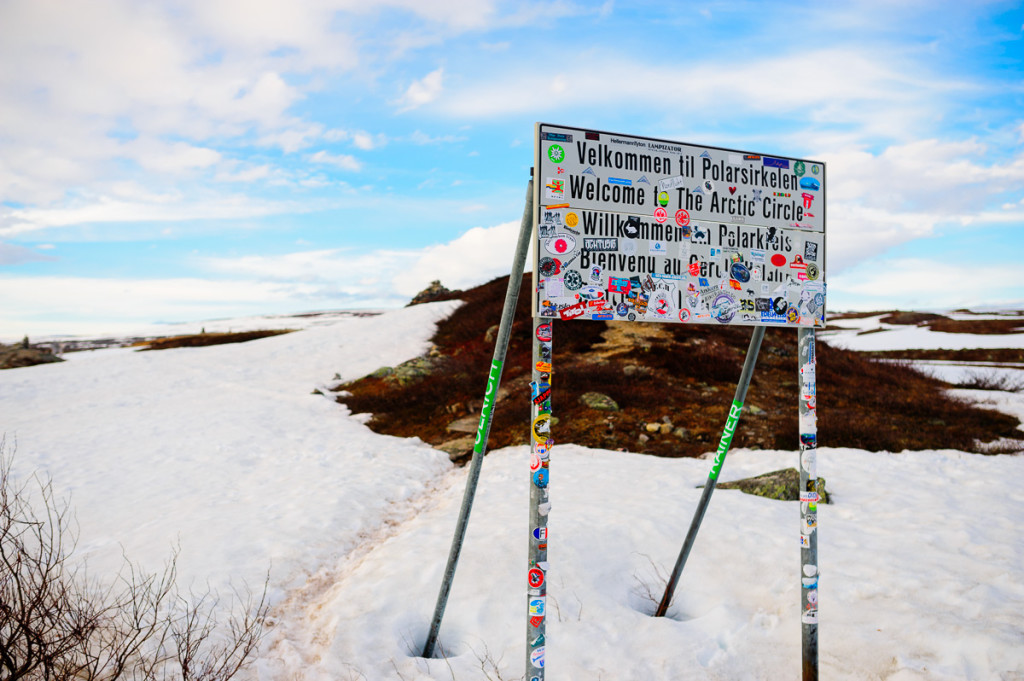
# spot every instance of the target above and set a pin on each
(201, 159)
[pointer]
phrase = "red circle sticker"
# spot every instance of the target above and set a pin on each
(561, 245)
(684, 315)
(534, 462)
(536, 577)
(660, 214)
(778, 260)
(682, 218)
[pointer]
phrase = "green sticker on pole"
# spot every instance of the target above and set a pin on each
(485, 413)
(726, 441)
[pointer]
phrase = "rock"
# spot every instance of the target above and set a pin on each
(754, 410)
(644, 438)
(783, 485)
(665, 428)
(467, 424)
(459, 449)
(433, 292)
(598, 401)
(491, 334)
(13, 356)
(383, 372)
(653, 427)
(681, 433)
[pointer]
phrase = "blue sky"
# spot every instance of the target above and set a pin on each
(199, 159)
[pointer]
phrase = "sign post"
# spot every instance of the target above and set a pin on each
(808, 504)
(638, 229)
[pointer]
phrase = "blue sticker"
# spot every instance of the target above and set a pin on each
(540, 478)
(621, 181)
(810, 183)
(602, 315)
(775, 162)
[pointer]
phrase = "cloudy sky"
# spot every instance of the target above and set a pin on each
(188, 160)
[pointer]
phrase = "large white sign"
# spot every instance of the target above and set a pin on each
(652, 230)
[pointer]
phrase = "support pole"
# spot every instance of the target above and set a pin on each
(723, 448)
(540, 506)
(808, 503)
(484, 428)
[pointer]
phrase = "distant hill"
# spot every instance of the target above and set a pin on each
(672, 384)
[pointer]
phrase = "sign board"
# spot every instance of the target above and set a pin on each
(641, 229)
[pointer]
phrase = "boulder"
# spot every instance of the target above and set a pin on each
(599, 401)
(783, 485)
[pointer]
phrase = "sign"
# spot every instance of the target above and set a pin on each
(713, 236)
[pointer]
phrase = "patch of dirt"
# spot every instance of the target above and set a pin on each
(205, 339)
(673, 384)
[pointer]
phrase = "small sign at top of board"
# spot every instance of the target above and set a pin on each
(642, 229)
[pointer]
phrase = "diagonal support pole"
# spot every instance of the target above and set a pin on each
(484, 428)
(723, 448)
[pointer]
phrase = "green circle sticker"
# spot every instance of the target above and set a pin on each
(663, 198)
(799, 168)
(556, 153)
(814, 169)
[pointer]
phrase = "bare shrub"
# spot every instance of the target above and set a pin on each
(991, 380)
(55, 623)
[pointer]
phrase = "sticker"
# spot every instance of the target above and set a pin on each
(536, 607)
(684, 315)
(544, 508)
(667, 183)
(809, 496)
(571, 219)
(660, 214)
(799, 168)
(540, 533)
(541, 427)
(657, 247)
(544, 367)
(682, 217)
(810, 570)
(618, 285)
(805, 541)
(549, 266)
(540, 478)
(739, 272)
(661, 306)
(534, 462)
(767, 160)
(535, 578)
(537, 658)
(809, 617)
(708, 186)
(554, 188)
(663, 199)
(606, 244)
(810, 251)
(595, 274)
(812, 271)
(556, 153)
(560, 244)
(544, 332)
(573, 280)
(778, 260)
(536, 621)
(809, 582)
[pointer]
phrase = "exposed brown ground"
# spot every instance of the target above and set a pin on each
(681, 374)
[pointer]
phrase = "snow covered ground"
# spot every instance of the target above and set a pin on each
(225, 452)
(870, 333)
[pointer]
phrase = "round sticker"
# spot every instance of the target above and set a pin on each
(540, 478)
(544, 332)
(778, 260)
(812, 271)
(540, 533)
(661, 306)
(663, 199)
(779, 305)
(534, 462)
(724, 308)
(684, 315)
(537, 658)
(682, 217)
(571, 219)
(549, 266)
(739, 272)
(622, 309)
(709, 186)
(573, 280)
(660, 214)
(536, 577)
(556, 153)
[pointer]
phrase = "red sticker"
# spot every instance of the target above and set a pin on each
(778, 260)
(536, 621)
(732, 190)
(684, 315)
(695, 268)
(536, 577)
(660, 214)
(682, 218)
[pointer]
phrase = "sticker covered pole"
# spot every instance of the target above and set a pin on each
(540, 505)
(723, 448)
(484, 428)
(809, 572)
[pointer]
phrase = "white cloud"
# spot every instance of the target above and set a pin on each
(913, 283)
(422, 91)
(343, 161)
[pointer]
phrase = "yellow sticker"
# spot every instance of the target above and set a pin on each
(541, 427)
(571, 220)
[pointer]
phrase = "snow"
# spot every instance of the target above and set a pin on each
(224, 452)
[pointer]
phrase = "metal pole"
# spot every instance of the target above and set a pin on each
(540, 506)
(808, 504)
(723, 449)
(484, 428)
